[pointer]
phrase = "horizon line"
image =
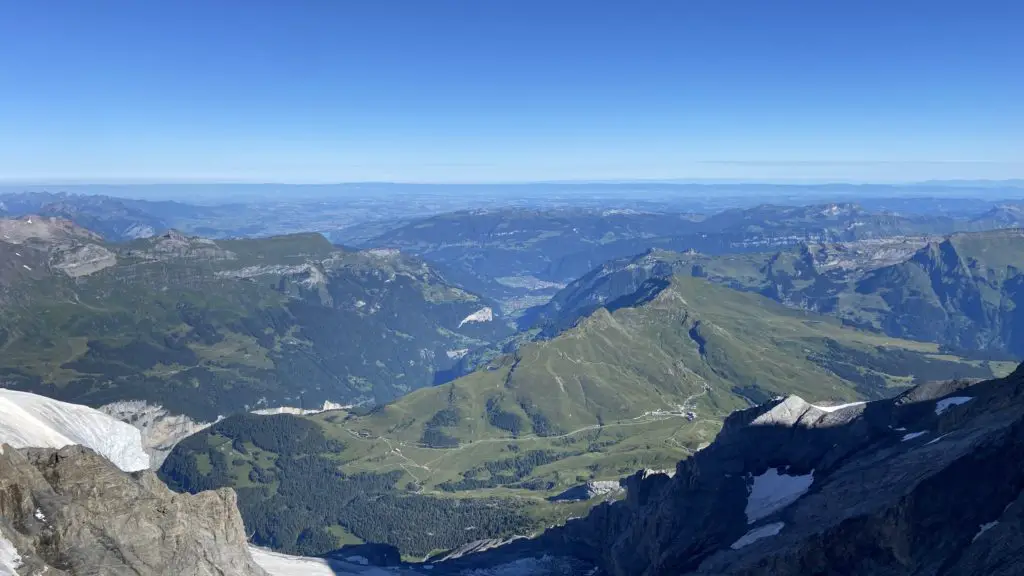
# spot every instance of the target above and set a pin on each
(117, 182)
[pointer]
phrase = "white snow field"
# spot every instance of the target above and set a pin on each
(29, 420)
(284, 565)
(757, 534)
(10, 560)
(278, 564)
(912, 435)
(773, 491)
(947, 403)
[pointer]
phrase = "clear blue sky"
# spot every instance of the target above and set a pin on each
(500, 90)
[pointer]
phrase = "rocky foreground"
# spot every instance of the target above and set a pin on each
(71, 511)
(927, 483)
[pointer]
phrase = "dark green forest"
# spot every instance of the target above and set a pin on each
(293, 502)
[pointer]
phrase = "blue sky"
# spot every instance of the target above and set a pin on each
(496, 90)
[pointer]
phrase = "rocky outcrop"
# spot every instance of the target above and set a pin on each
(44, 230)
(589, 490)
(160, 430)
(71, 511)
(927, 483)
(82, 260)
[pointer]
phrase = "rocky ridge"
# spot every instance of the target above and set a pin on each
(927, 483)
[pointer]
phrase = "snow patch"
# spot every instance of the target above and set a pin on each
(984, 528)
(33, 421)
(277, 564)
(39, 515)
(757, 534)
(325, 407)
(773, 491)
(912, 435)
(837, 407)
(936, 440)
(456, 354)
(947, 403)
(481, 315)
(10, 560)
(283, 565)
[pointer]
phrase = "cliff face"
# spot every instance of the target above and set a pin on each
(927, 483)
(70, 511)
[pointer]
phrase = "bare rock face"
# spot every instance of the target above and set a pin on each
(70, 511)
(82, 260)
(42, 229)
(160, 429)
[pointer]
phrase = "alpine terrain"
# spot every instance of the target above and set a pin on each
(205, 328)
(641, 384)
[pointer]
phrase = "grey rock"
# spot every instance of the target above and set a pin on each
(589, 490)
(71, 511)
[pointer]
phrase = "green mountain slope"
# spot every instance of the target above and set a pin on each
(966, 292)
(963, 292)
(641, 386)
(208, 328)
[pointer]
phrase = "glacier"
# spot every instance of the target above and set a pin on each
(29, 420)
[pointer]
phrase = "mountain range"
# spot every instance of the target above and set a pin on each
(639, 384)
(520, 256)
(205, 328)
(923, 483)
(377, 407)
(962, 291)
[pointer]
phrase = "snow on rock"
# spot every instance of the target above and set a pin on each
(773, 491)
(10, 560)
(757, 534)
(30, 420)
(456, 354)
(912, 435)
(160, 429)
(947, 403)
(283, 565)
(327, 406)
(984, 528)
(481, 315)
(837, 407)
